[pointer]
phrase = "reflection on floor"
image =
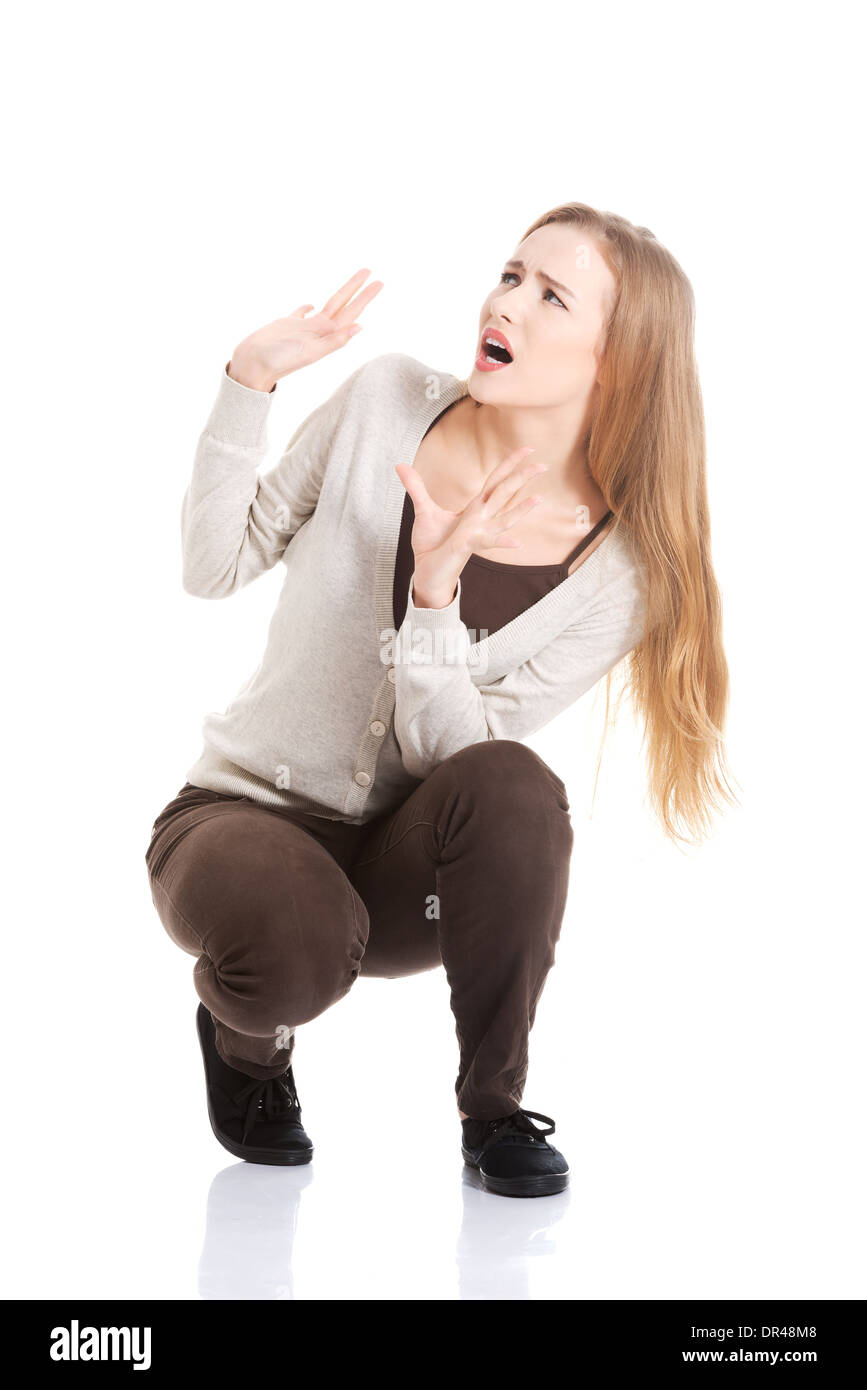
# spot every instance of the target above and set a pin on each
(253, 1216)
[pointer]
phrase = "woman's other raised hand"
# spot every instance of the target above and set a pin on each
(288, 344)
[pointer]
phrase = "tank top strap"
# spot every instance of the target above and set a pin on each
(587, 539)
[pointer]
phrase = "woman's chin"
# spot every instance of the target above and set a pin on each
(488, 385)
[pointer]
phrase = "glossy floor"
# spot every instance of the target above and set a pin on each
(698, 1053)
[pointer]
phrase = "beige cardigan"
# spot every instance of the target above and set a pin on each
(343, 716)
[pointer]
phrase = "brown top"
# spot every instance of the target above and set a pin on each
(493, 592)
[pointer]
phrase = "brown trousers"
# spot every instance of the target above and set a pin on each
(283, 910)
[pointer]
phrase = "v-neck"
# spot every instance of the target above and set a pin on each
(527, 632)
(561, 568)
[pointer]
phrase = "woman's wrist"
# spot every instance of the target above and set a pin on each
(433, 597)
(249, 374)
(435, 576)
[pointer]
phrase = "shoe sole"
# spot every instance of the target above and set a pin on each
(538, 1185)
(272, 1156)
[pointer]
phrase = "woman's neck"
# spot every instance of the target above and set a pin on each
(479, 437)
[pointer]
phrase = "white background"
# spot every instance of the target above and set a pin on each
(176, 176)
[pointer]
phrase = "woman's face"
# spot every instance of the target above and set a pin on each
(552, 330)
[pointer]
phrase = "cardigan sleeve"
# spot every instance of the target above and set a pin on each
(236, 523)
(439, 708)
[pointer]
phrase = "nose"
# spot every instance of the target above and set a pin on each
(506, 303)
(501, 312)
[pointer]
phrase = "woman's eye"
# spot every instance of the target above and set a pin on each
(510, 275)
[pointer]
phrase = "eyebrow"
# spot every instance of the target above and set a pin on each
(543, 275)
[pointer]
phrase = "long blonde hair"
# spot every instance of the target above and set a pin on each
(647, 455)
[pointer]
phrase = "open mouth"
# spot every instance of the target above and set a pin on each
(493, 351)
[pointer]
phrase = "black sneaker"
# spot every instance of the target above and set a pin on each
(256, 1119)
(513, 1156)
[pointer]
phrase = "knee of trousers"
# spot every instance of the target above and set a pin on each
(288, 963)
(508, 780)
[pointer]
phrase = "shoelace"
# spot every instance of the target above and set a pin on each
(518, 1127)
(275, 1096)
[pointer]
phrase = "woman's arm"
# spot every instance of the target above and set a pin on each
(439, 709)
(234, 523)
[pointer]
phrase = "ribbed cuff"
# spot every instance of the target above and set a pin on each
(432, 636)
(432, 618)
(239, 414)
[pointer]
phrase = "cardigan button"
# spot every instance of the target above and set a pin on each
(362, 778)
(377, 727)
(391, 674)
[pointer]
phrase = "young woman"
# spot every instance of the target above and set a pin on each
(366, 804)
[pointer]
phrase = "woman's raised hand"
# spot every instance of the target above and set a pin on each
(293, 342)
(443, 541)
